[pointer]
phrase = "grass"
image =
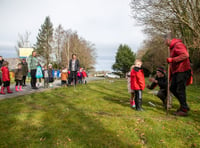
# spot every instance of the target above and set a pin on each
(96, 115)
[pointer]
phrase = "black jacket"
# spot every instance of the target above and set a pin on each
(162, 83)
(77, 66)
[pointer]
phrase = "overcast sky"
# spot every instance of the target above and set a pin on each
(106, 23)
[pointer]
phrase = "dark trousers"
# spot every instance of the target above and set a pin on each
(24, 80)
(162, 94)
(6, 83)
(18, 82)
(138, 99)
(0, 79)
(73, 77)
(33, 78)
(178, 88)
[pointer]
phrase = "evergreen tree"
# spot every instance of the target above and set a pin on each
(124, 59)
(44, 40)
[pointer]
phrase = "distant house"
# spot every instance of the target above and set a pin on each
(13, 62)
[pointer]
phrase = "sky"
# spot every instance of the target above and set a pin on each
(105, 23)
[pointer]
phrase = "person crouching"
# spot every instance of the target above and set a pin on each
(138, 83)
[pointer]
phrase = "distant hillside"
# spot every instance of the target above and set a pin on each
(8, 51)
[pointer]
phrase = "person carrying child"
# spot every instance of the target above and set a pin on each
(5, 78)
(132, 101)
(138, 83)
(18, 77)
(161, 81)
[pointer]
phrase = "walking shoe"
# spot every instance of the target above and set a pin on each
(180, 113)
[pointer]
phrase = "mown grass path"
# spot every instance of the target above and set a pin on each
(96, 115)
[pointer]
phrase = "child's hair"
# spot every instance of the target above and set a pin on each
(5, 63)
(138, 61)
(132, 67)
(19, 64)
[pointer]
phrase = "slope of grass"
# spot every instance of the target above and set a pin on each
(96, 115)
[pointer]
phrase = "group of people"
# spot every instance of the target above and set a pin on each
(20, 75)
(69, 76)
(180, 76)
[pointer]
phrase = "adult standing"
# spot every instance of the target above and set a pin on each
(73, 68)
(24, 71)
(1, 63)
(180, 72)
(32, 66)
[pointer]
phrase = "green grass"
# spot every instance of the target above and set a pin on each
(97, 115)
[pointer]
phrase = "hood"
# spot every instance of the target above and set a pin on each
(173, 42)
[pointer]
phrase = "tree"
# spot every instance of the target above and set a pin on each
(58, 43)
(23, 41)
(124, 59)
(181, 17)
(44, 40)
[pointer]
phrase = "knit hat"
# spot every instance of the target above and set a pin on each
(161, 69)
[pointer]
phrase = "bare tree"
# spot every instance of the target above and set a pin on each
(23, 41)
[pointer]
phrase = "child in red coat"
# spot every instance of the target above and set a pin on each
(138, 83)
(5, 78)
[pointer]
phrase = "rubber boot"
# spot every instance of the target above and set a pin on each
(20, 88)
(8, 90)
(140, 104)
(2, 90)
(16, 88)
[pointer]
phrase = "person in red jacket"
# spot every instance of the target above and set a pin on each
(5, 78)
(138, 83)
(180, 72)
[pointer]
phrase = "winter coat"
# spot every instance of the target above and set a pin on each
(137, 79)
(18, 74)
(25, 68)
(64, 75)
(162, 83)
(84, 74)
(32, 62)
(51, 75)
(180, 57)
(5, 74)
(77, 67)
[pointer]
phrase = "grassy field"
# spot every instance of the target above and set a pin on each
(96, 115)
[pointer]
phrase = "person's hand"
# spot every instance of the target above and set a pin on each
(151, 79)
(169, 60)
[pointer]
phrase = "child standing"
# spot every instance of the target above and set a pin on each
(132, 101)
(18, 77)
(64, 77)
(51, 75)
(138, 83)
(84, 76)
(5, 78)
(46, 77)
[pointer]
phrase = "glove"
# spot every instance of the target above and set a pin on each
(169, 60)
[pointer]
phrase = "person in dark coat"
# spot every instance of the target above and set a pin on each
(73, 68)
(1, 63)
(24, 71)
(180, 72)
(161, 81)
